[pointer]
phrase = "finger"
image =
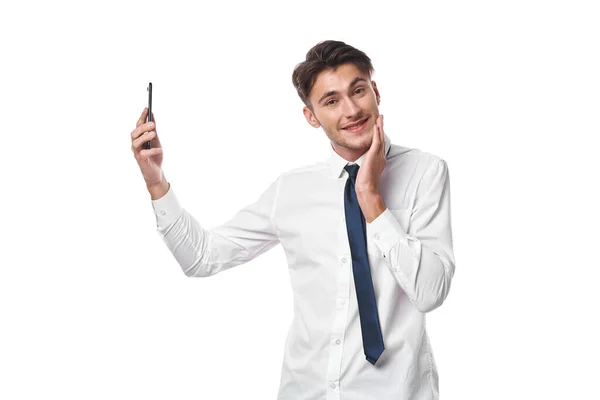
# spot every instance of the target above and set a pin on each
(145, 153)
(145, 127)
(381, 137)
(142, 117)
(137, 143)
(377, 139)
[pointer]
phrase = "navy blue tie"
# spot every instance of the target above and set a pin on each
(365, 295)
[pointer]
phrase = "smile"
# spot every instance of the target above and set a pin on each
(357, 128)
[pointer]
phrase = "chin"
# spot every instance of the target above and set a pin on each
(358, 142)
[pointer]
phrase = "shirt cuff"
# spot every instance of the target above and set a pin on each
(166, 209)
(386, 231)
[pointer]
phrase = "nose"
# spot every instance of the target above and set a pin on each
(351, 109)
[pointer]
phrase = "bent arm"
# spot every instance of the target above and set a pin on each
(422, 259)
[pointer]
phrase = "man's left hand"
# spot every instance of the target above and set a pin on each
(369, 173)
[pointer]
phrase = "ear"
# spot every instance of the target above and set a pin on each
(377, 96)
(310, 117)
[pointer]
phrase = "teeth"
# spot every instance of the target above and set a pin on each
(356, 126)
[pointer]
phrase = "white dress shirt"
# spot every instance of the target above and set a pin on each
(410, 254)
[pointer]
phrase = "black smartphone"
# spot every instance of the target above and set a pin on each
(148, 144)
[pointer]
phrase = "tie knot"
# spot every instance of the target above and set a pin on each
(352, 170)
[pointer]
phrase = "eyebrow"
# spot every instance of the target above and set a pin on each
(331, 92)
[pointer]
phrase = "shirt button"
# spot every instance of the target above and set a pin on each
(163, 212)
(377, 236)
(332, 385)
(344, 260)
(338, 341)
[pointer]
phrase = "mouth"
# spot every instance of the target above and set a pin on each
(357, 127)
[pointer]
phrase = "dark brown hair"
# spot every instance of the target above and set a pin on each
(328, 54)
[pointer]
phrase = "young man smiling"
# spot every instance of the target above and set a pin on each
(366, 234)
(344, 102)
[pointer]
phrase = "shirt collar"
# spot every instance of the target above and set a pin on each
(337, 162)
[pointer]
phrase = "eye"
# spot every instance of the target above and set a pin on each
(359, 89)
(330, 102)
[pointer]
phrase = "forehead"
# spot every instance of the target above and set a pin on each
(337, 79)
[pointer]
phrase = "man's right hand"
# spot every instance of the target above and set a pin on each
(149, 160)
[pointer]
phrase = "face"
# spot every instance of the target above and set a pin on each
(341, 98)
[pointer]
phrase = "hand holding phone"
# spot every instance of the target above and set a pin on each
(149, 160)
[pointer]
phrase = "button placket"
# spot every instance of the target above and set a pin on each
(338, 329)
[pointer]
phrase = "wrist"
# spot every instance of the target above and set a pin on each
(158, 190)
(372, 206)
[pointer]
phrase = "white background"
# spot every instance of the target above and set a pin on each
(94, 306)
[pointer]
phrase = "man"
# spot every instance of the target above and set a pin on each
(366, 234)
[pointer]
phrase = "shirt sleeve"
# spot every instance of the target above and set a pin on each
(422, 259)
(204, 252)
